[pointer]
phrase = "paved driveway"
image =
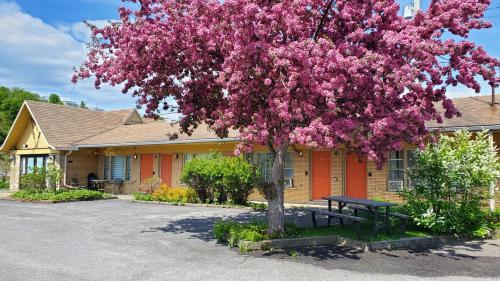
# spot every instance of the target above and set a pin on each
(119, 240)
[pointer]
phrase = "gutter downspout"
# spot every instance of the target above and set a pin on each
(65, 168)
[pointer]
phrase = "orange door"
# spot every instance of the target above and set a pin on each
(146, 166)
(321, 180)
(166, 169)
(355, 175)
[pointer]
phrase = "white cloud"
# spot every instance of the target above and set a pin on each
(39, 57)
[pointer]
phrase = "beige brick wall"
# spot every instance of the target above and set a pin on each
(337, 172)
(377, 183)
(80, 164)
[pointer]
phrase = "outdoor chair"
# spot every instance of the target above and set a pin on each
(75, 184)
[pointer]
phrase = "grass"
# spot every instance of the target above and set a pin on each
(232, 232)
(59, 195)
(367, 234)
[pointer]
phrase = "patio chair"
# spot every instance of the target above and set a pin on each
(75, 184)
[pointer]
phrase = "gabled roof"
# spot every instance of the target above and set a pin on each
(477, 113)
(63, 125)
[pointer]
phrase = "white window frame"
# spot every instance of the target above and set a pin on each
(406, 167)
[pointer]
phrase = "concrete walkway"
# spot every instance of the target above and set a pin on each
(120, 240)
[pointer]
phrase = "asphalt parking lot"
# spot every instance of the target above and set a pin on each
(120, 240)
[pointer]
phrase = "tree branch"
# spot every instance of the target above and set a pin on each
(322, 21)
(271, 147)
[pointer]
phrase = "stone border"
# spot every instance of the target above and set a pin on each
(341, 241)
(196, 205)
(52, 201)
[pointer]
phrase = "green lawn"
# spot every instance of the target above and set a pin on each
(348, 231)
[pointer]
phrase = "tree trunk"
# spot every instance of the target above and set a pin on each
(276, 213)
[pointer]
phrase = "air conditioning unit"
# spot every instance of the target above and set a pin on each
(288, 182)
(395, 185)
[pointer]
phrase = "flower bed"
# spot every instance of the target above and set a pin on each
(59, 195)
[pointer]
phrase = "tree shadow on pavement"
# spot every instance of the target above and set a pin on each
(201, 227)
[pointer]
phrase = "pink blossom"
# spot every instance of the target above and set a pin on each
(365, 78)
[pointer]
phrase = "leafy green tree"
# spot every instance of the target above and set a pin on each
(450, 180)
(82, 104)
(11, 101)
(54, 98)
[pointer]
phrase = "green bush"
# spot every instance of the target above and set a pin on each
(139, 196)
(41, 178)
(450, 180)
(219, 179)
(59, 195)
(237, 179)
(232, 232)
(4, 184)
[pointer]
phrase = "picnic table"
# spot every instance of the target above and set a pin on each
(371, 205)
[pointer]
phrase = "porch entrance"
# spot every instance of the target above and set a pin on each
(320, 170)
(146, 166)
(166, 169)
(355, 176)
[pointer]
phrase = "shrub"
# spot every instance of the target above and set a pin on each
(139, 196)
(59, 195)
(41, 178)
(449, 179)
(232, 232)
(204, 175)
(4, 184)
(37, 179)
(237, 179)
(177, 195)
(217, 179)
(149, 185)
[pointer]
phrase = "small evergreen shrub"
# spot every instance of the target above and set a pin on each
(41, 178)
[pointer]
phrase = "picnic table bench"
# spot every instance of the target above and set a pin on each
(370, 205)
(355, 220)
(402, 217)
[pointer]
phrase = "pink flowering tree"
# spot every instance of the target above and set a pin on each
(322, 73)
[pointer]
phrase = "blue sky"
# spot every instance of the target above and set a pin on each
(41, 41)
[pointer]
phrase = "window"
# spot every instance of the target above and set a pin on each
(117, 167)
(264, 162)
(28, 162)
(399, 163)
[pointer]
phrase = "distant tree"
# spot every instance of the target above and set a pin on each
(11, 101)
(54, 98)
(82, 104)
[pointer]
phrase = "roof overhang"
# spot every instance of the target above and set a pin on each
(3, 149)
(193, 141)
(469, 128)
